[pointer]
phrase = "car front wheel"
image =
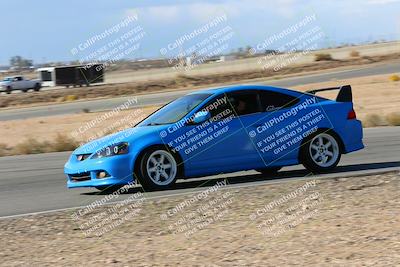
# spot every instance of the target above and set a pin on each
(158, 169)
(37, 87)
(321, 152)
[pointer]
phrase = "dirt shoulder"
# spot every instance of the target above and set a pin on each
(182, 81)
(330, 222)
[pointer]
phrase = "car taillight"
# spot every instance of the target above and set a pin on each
(351, 115)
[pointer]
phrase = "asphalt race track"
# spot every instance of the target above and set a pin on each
(36, 183)
(161, 98)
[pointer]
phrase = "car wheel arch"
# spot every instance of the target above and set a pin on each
(318, 131)
(177, 156)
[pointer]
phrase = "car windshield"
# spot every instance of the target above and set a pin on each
(175, 110)
(7, 79)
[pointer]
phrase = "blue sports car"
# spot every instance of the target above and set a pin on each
(236, 128)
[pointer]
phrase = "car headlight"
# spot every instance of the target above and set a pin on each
(111, 150)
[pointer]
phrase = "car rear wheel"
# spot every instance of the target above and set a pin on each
(321, 152)
(158, 169)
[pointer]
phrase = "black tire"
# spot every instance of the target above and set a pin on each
(314, 162)
(108, 188)
(24, 90)
(269, 171)
(8, 90)
(37, 87)
(142, 173)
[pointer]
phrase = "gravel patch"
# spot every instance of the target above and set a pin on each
(331, 222)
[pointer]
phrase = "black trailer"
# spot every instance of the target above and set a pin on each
(76, 75)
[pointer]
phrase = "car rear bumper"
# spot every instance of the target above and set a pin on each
(352, 137)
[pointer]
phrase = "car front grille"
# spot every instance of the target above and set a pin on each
(80, 177)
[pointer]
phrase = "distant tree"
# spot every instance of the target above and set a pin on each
(248, 49)
(20, 62)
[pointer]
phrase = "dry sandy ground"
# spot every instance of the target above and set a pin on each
(330, 222)
(187, 80)
(372, 95)
(76, 126)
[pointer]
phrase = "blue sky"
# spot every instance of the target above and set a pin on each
(48, 30)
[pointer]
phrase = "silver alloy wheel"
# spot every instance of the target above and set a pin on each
(161, 167)
(324, 150)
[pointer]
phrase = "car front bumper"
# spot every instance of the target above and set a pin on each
(85, 173)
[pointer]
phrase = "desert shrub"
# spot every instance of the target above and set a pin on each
(373, 120)
(394, 78)
(393, 118)
(31, 146)
(71, 98)
(63, 143)
(4, 150)
(60, 99)
(322, 57)
(67, 98)
(182, 76)
(354, 53)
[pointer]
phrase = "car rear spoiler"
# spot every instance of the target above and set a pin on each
(345, 94)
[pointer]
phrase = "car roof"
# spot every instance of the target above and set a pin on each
(234, 88)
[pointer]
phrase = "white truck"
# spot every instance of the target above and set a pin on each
(19, 83)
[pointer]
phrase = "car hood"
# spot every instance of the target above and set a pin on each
(3, 82)
(130, 135)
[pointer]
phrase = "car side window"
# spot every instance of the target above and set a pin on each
(219, 108)
(244, 102)
(271, 101)
(233, 105)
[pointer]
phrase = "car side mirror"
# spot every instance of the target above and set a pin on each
(201, 116)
